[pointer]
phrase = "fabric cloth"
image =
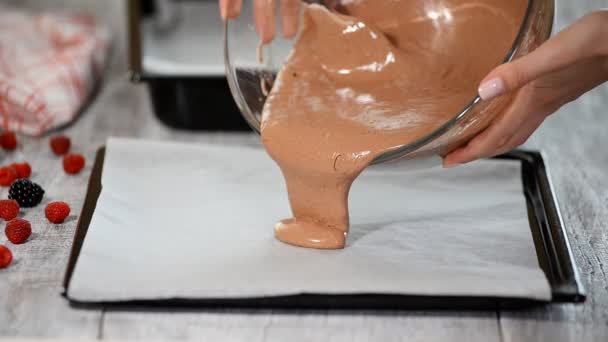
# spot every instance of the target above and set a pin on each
(49, 65)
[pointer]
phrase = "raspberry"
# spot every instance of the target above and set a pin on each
(56, 212)
(26, 192)
(24, 170)
(60, 144)
(7, 176)
(8, 140)
(18, 230)
(9, 209)
(73, 163)
(5, 256)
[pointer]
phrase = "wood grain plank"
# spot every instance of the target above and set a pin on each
(302, 326)
(527, 329)
(30, 301)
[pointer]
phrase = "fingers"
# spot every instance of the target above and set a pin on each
(264, 19)
(230, 9)
(580, 41)
(290, 14)
(461, 154)
(464, 154)
(264, 16)
(499, 137)
(523, 133)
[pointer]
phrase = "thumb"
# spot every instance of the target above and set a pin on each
(579, 41)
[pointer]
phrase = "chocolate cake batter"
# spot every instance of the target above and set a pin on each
(364, 79)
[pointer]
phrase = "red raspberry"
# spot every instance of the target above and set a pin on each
(24, 170)
(8, 140)
(7, 176)
(73, 163)
(9, 209)
(56, 212)
(18, 230)
(60, 144)
(5, 256)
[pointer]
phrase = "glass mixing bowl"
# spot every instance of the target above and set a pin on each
(251, 71)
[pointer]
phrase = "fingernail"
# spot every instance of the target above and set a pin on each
(491, 88)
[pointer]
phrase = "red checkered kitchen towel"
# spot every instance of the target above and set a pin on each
(49, 64)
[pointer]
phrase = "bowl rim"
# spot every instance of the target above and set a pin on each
(402, 150)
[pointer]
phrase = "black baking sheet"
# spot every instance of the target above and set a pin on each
(546, 225)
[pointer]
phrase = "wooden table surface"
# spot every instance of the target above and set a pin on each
(574, 141)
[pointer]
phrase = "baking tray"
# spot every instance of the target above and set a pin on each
(190, 101)
(550, 239)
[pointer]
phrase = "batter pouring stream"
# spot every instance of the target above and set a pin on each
(367, 78)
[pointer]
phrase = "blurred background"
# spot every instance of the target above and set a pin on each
(113, 12)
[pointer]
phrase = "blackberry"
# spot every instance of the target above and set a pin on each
(26, 193)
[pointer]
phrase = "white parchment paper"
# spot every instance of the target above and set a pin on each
(195, 221)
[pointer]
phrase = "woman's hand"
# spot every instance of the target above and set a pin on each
(264, 16)
(559, 71)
